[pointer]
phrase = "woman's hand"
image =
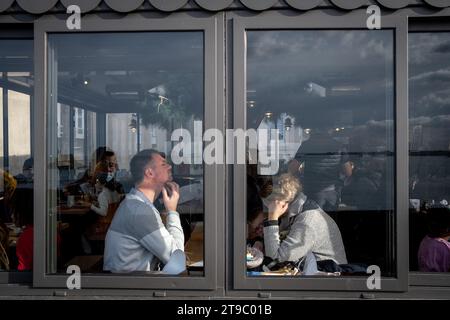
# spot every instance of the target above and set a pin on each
(276, 209)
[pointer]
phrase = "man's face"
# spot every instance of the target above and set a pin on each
(162, 171)
(111, 163)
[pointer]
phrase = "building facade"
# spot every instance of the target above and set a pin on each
(355, 91)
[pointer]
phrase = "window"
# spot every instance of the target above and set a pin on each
(321, 99)
(16, 160)
(109, 82)
(344, 161)
(429, 149)
(134, 92)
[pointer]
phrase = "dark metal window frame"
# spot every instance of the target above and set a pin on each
(212, 30)
(10, 30)
(317, 20)
(434, 24)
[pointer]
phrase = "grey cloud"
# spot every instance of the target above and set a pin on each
(441, 120)
(442, 48)
(438, 75)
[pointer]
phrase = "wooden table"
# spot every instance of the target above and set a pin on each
(77, 210)
(194, 249)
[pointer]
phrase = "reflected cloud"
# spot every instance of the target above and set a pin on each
(443, 48)
(438, 75)
(441, 120)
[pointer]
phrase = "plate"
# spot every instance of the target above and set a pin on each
(254, 257)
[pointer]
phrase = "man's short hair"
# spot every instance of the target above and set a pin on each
(140, 161)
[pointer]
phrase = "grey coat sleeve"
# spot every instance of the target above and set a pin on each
(298, 242)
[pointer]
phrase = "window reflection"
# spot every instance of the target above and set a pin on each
(16, 160)
(429, 147)
(118, 95)
(330, 95)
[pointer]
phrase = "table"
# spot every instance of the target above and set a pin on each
(76, 210)
(194, 249)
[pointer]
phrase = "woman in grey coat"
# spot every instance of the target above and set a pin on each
(307, 227)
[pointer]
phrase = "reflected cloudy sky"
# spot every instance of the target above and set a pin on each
(354, 67)
(429, 75)
(324, 79)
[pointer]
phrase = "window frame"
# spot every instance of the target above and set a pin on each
(211, 26)
(435, 24)
(322, 20)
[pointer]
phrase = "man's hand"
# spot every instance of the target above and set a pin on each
(276, 209)
(171, 195)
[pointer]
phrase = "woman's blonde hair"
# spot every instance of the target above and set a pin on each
(284, 188)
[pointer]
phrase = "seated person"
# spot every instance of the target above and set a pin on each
(307, 227)
(137, 239)
(4, 245)
(22, 203)
(255, 217)
(7, 188)
(26, 177)
(434, 250)
(255, 227)
(23, 218)
(108, 194)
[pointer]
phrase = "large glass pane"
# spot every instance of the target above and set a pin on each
(328, 193)
(19, 144)
(1, 128)
(16, 162)
(429, 147)
(120, 94)
(121, 136)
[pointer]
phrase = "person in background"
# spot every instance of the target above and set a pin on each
(26, 177)
(22, 204)
(434, 250)
(107, 191)
(319, 162)
(8, 186)
(23, 218)
(307, 227)
(137, 239)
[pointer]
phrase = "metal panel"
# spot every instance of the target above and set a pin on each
(323, 19)
(165, 5)
(213, 118)
(303, 4)
(397, 4)
(85, 5)
(438, 3)
(348, 4)
(124, 6)
(258, 5)
(214, 5)
(5, 4)
(36, 7)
